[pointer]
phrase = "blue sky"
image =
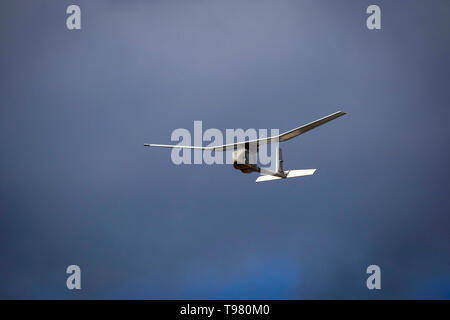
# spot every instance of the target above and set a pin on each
(78, 187)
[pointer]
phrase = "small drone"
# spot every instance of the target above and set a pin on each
(245, 151)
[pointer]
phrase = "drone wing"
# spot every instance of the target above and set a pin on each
(224, 147)
(280, 138)
(305, 128)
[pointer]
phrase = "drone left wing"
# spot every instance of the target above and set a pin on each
(224, 147)
(175, 146)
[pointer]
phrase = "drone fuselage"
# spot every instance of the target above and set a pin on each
(245, 161)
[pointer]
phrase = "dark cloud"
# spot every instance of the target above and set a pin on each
(77, 186)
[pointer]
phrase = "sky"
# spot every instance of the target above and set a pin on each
(77, 186)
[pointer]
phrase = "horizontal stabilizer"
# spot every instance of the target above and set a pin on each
(289, 174)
